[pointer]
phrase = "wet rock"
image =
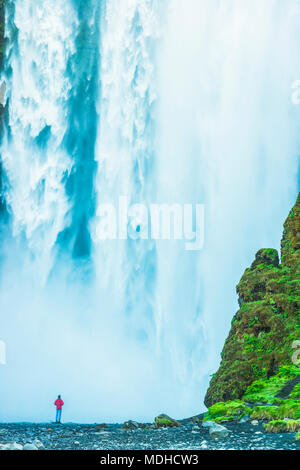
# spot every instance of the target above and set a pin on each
(30, 447)
(244, 419)
(101, 426)
(130, 425)
(164, 421)
(208, 424)
(195, 429)
(39, 444)
(218, 432)
(266, 256)
(2, 93)
(11, 446)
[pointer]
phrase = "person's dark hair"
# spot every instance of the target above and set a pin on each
(59, 396)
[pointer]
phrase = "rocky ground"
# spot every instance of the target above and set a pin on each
(188, 436)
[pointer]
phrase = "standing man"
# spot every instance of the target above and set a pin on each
(59, 404)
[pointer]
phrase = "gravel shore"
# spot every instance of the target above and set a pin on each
(242, 436)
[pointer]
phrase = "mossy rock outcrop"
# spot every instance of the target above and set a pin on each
(281, 426)
(257, 356)
(164, 421)
(229, 411)
(239, 410)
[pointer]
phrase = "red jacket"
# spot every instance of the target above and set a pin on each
(59, 404)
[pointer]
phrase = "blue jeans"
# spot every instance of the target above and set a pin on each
(58, 415)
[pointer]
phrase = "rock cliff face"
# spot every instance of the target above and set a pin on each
(258, 351)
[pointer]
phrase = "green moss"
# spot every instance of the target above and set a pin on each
(253, 321)
(265, 390)
(286, 409)
(265, 412)
(280, 426)
(289, 409)
(298, 436)
(296, 392)
(228, 411)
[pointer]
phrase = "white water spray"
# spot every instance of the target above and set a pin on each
(126, 152)
(229, 137)
(33, 155)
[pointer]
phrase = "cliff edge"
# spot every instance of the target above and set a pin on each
(257, 355)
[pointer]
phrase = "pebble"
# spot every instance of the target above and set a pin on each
(186, 437)
(30, 447)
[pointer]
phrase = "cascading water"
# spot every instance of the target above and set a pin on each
(154, 103)
(34, 157)
(229, 137)
(126, 152)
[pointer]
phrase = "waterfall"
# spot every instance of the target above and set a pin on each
(229, 137)
(125, 152)
(154, 102)
(34, 157)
